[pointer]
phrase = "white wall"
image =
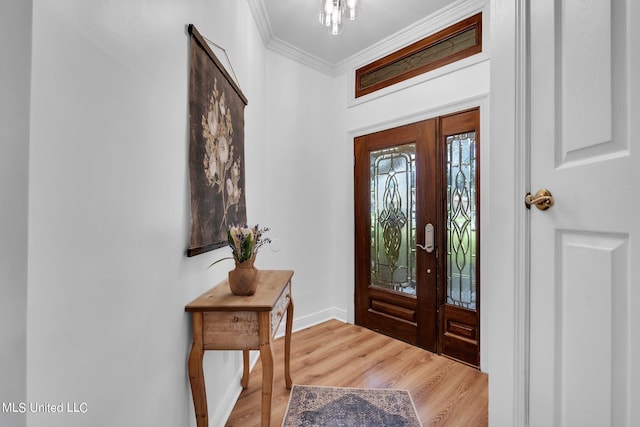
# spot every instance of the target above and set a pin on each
(109, 208)
(15, 51)
(302, 183)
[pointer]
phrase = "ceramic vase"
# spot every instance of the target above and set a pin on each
(242, 279)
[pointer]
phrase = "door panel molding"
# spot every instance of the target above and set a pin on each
(590, 131)
(593, 281)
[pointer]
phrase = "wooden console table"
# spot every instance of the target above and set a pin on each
(223, 321)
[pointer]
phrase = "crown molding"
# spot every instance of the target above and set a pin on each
(259, 12)
(450, 14)
(433, 23)
(300, 56)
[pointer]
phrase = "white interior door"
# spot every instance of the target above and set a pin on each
(585, 250)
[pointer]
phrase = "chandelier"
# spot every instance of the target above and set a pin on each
(333, 12)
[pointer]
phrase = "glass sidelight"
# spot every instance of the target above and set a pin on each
(461, 232)
(393, 218)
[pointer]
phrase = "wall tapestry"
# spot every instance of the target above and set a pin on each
(216, 149)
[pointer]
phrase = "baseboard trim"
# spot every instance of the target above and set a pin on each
(304, 322)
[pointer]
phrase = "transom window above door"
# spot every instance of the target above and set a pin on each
(452, 44)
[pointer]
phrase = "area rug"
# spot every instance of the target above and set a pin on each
(311, 406)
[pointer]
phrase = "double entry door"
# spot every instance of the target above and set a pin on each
(417, 235)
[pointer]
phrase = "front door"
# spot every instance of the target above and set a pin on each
(585, 253)
(416, 216)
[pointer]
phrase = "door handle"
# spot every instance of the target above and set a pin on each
(428, 238)
(542, 200)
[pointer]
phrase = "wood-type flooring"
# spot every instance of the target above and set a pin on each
(445, 392)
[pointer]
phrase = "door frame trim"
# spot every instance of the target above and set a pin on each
(522, 177)
(508, 368)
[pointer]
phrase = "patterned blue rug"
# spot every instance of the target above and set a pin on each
(311, 406)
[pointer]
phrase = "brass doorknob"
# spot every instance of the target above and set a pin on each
(543, 200)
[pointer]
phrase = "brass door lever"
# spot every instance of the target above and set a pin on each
(543, 200)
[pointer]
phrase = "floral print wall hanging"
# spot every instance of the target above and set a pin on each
(216, 149)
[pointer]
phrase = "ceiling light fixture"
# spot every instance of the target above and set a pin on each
(333, 12)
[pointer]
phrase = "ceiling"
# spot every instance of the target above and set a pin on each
(292, 25)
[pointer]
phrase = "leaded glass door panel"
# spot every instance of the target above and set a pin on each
(396, 182)
(392, 182)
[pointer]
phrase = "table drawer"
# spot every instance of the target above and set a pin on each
(280, 308)
(223, 330)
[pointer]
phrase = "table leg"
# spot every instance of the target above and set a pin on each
(266, 357)
(196, 373)
(245, 373)
(287, 345)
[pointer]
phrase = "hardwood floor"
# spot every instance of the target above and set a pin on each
(445, 392)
